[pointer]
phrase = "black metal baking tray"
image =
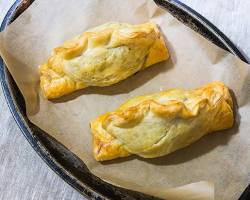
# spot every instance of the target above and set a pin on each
(59, 158)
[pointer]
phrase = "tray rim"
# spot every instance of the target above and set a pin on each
(42, 150)
(231, 47)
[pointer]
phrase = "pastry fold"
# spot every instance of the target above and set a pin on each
(101, 56)
(157, 124)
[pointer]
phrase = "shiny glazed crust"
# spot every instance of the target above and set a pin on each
(158, 124)
(101, 56)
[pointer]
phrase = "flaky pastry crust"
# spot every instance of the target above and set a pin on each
(101, 56)
(157, 124)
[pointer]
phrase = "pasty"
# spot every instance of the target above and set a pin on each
(101, 56)
(157, 124)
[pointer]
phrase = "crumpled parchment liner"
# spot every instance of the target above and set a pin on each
(221, 158)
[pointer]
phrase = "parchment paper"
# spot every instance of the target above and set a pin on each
(221, 158)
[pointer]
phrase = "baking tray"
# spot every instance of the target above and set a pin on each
(68, 166)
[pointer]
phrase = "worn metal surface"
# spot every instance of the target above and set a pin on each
(23, 175)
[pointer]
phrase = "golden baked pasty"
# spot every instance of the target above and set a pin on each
(101, 56)
(157, 124)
